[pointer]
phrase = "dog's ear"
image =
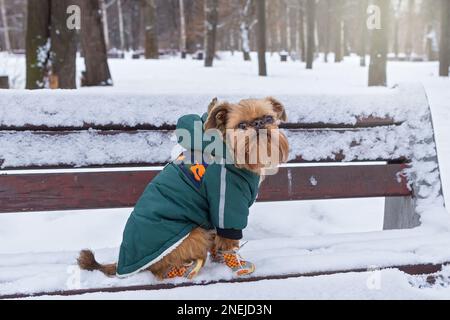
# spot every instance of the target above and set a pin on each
(278, 108)
(217, 117)
(212, 104)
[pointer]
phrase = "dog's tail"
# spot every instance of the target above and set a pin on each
(86, 261)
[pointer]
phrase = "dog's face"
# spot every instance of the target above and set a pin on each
(249, 127)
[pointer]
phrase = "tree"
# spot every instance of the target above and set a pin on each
(345, 38)
(5, 25)
(183, 36)
(63, 48)
(273, 38)
(327, 29)
(379, 47)
(444, 51)
(212, 19)
(288, 28)
(293, 27)
(282, 25)
(94, 45)
(51, 46)
(431, 43)
(363, 32)
(245, 25)
(37, 43)
(310, 24)
(337, 12)
(121, 24)
(301, 30)
(409, 30)
(135, 26)
(262, 37)
(105, 22)
(151, 34)
(397, 27)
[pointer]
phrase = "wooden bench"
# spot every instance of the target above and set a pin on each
(356, 167)
(86, 190)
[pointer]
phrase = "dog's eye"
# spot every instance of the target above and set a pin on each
(242, 126)
(269, 120)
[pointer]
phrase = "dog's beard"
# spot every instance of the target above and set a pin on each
(259, 151)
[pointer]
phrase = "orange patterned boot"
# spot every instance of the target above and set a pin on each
(188, 271)
(234, 261)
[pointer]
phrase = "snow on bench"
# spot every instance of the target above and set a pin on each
(86, 108)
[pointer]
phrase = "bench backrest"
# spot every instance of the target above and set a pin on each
(129, 155)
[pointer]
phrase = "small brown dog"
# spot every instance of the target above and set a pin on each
(221, 237)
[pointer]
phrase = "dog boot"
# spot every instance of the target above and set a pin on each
(234, 261)
(188, 271)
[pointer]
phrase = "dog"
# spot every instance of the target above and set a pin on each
(193, 208)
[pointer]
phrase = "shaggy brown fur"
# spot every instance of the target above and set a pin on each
(195, 246)
(86, 261)
(225, 244)
(222, 116)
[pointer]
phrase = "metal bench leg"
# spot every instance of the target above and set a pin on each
(400, 213)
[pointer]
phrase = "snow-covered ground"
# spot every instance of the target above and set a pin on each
(35, 249)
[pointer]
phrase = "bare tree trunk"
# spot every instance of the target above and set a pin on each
(326, 45)
(283, 25)
(63, 48)
(301, 28)
(271, 32)
(279, 35)
(37, 43)
(363, 32)
(245, 29)
(310, 25)
(409, 31)
(345, 39)
(245, 38)
(136, 14)
(262, 30)
(337, 5)
(105, 22)
(151, 34)
(5, 26)
(430, 39)
(288, 29)
(379, 47)
(293, 29)
(444, 50)
(94, 46)
(396, 37)
(396, 28)
(212, 18)
(183, 37)
(121, 26)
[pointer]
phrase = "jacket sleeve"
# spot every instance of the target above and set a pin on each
(229, 198)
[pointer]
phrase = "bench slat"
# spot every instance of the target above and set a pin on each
(335, 182)
(339, 158)
(85, 149)
(97, 190)
(360, 122)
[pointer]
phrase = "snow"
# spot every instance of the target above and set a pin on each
(386, 284)
(87, 148)
(38, 251)
(93, 107)
(84, 148)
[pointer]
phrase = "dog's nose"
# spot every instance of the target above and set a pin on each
(258, 124)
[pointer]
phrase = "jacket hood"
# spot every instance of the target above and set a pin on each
(191, 136)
